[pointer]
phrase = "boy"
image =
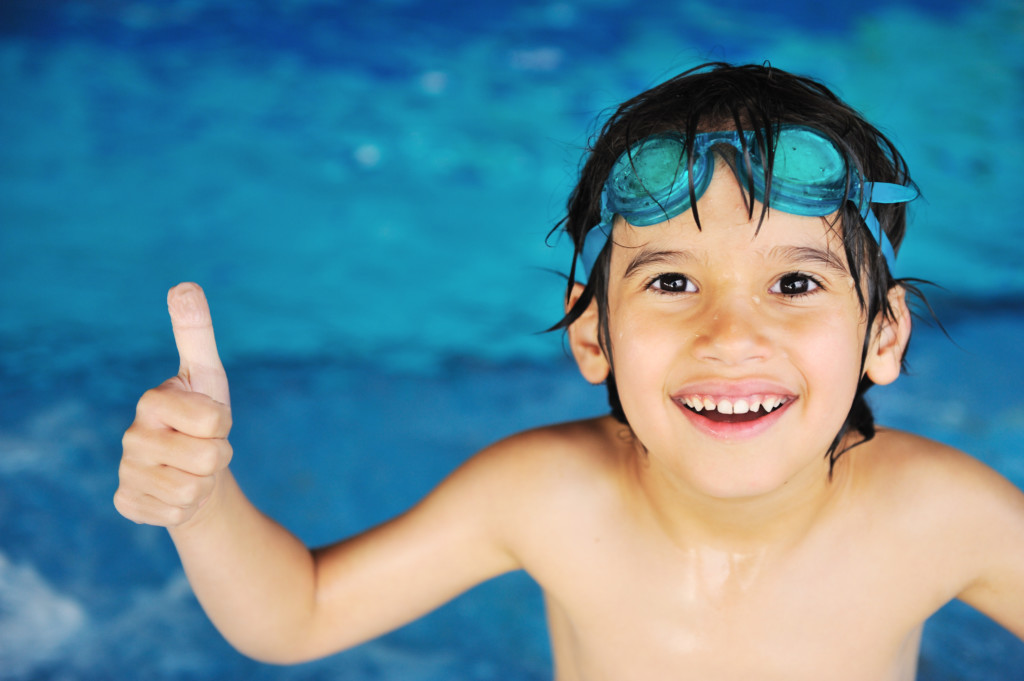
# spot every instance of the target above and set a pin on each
(737, 516)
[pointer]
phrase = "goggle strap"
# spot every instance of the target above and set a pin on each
(874, 227)
(593, 244)
(887, 192)
(884, 192)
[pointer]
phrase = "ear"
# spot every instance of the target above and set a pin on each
(583, 340)
(889, 338)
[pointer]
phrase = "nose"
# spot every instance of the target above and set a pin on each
(733, 331)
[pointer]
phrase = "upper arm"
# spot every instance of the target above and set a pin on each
(994, 548)
(461, 534)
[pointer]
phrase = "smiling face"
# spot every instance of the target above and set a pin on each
(736, 350)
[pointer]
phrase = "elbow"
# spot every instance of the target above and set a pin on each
(277, 650)
(274, 654)
(291, 646)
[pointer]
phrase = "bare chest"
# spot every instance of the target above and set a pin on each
(645, 615)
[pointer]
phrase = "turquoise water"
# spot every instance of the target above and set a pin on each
(365, 191)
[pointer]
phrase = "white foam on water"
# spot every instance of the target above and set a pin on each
(159, 632)
(37, 622)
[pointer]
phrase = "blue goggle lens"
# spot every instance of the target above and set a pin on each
(651, 181)
(808, 176)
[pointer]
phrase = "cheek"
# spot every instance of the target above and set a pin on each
(643, 357)
(830, 358)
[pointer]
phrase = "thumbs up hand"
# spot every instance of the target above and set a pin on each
(176, 449)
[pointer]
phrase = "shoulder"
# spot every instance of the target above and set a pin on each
(963, 517)
(900, 469)
(897, 459)
(561, 456)
(550, 485)
(528, 474)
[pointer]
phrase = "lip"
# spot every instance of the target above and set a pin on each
(741, 430)
(733, 389)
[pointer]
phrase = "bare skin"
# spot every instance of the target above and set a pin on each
(686, 546)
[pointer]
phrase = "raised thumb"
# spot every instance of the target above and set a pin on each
(200, 369)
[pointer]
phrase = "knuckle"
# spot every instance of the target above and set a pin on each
(131, 507)
(187, 490)
(206, 422)
(148, 401)
(214, 420)
(141, 447)
(163, 505)
(131, 440)
(209, 457)
(123, 504)
(204, 461)
(176, 515)
(190, 492)
(127, 476)
(122, 482)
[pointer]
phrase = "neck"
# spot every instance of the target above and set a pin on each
(748, 525)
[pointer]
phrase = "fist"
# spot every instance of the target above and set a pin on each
(176, 449)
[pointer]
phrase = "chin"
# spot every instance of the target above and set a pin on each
(741, 479)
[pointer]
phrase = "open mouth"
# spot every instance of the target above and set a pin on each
(733, 409)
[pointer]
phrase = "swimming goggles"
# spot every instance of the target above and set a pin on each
(654, 181)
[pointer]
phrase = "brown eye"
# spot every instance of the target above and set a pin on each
(672, 283)
(795, 284)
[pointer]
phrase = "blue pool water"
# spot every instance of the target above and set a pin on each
(364, 189)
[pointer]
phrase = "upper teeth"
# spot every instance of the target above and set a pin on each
(734, 405)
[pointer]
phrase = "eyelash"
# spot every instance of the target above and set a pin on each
(657, 283)
(802, 277)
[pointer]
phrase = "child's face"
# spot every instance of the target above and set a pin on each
(728, 317)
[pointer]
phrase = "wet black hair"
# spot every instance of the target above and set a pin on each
(756, 98)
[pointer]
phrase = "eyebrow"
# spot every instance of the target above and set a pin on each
(647, 256)
(791, 254)
(809, 254)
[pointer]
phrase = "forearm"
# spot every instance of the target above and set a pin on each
(255, 580)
